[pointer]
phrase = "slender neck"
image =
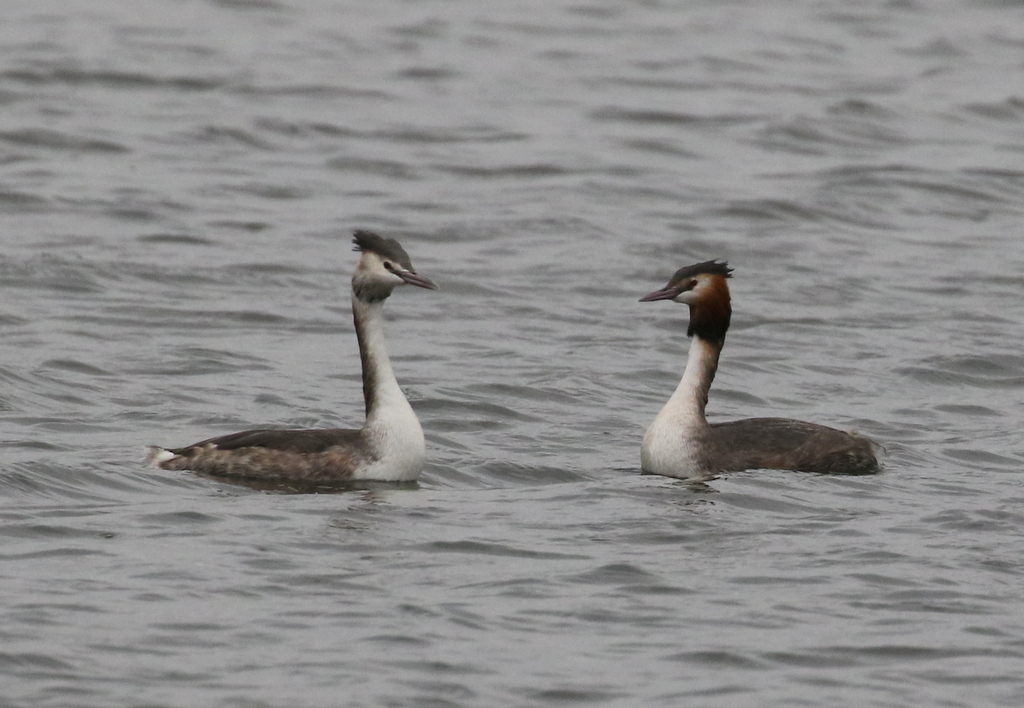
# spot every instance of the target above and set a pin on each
(380, 388)
(691, 395)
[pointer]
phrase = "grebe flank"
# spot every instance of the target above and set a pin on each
(681, 443)
(390, 444)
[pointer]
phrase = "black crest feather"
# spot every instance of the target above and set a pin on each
(709, 267)
(383, 246)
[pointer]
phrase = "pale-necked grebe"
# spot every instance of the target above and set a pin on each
(390, 444)
(681, 443)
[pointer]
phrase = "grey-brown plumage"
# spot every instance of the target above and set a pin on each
(787, 444)
(390, 444)
(276, 454)
(681, 443)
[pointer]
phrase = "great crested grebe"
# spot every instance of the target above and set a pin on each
(681, 443)
(390, 444)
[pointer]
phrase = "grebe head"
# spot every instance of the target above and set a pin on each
(702, 286)
(384, 266)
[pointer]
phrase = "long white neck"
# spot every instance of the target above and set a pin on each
(672, 444)
(392, 429)
(691, 395)
(381, 392)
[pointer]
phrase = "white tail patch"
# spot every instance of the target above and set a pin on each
(155, 456)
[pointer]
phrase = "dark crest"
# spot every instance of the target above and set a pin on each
(709, 267)
(384, 247)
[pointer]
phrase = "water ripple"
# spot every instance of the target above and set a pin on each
(180, 183)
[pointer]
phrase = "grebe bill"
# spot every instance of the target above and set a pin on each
(681, 443)
(389, 446)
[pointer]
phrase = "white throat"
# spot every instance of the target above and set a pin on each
(391, 427)
(673, 442)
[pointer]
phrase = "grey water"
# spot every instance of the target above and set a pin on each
(178, 185)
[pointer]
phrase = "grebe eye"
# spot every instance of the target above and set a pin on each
(388, 266)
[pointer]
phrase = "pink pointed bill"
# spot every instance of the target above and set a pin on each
(420, 281)
(663, 294)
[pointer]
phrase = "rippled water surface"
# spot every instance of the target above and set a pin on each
(178, 182)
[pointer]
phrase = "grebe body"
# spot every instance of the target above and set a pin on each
(389, 446)
(681, 443)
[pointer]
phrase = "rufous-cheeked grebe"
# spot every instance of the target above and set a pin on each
(389, 446)
(681, 443)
